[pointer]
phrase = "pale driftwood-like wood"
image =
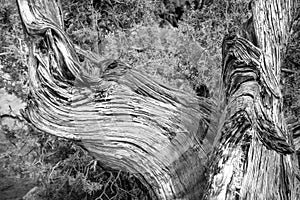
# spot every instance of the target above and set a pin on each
(120, 115)
(254, 152)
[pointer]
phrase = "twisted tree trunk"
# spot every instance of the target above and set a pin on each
(127, 120)
(131, 122)
(254, 153)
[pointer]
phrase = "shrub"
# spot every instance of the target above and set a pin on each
(13, 51)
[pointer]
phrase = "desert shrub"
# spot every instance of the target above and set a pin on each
(13, 51)
(290, 80)
(87, 23)
(168, 55)
(74, 174)
(21, 153)
(184, 58)
(207, 27)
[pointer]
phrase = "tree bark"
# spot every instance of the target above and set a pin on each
(133, 123)
(254, 152)
(124, 118)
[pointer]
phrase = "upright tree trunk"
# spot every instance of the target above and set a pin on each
(127, 120)
(254, 151)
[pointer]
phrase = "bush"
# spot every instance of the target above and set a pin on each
(13, 51)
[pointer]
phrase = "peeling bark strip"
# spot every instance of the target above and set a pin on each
(254, 152)
(127, 120)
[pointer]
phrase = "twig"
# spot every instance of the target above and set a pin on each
(6, 53)
(12, 116)
(285, 70)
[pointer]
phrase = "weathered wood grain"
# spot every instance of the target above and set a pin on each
(124, 118)
(254, 152)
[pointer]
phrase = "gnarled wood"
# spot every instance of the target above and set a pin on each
(253, 156)
(127, 120)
